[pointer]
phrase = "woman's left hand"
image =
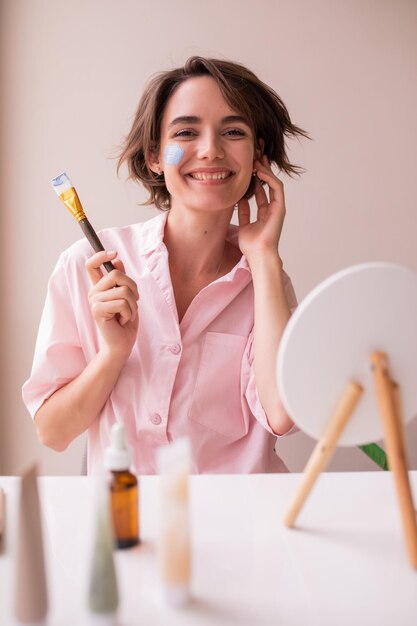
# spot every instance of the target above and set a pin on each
(262, 236)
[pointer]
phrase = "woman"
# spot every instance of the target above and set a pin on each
(181, 338)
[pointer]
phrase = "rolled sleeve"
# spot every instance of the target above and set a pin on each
(251, 402)
(59, 357)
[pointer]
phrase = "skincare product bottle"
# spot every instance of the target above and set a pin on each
(103, 596)
(174, 546)
(123, 487)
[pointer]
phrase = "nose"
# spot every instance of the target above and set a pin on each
(210, 146)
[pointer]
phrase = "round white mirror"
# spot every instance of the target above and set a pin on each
(328, 342)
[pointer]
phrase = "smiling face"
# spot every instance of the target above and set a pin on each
(206, 148)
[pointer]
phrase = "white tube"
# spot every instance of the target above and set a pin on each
(174, 548)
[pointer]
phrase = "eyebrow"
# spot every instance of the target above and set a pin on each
(193, 119)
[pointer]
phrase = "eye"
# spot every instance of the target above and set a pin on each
(235, 132)
(185, 132)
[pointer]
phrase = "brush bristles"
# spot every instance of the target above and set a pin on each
(61, 183)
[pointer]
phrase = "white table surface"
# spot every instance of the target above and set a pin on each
(344, 564)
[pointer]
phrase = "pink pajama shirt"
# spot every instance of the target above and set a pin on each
(193, 378)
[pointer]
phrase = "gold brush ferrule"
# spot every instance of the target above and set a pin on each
(72, 202)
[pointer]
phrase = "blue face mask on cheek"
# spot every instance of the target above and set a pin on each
(173, 154)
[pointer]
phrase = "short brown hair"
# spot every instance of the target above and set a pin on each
(261, 107)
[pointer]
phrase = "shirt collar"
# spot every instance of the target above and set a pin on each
(152, 237)
(152, 233)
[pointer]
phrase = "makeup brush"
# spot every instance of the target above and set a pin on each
(66, 191)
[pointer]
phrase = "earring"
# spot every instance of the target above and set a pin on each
(254, 173)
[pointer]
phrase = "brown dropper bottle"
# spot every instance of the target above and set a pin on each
(124, 491)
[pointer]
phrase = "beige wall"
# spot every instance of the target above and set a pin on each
(72, 73)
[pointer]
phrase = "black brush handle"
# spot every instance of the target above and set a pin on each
(91, 235)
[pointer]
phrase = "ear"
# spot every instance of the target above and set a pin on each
(260, 145)
(153, 162)
(259, 149)
(154, 165)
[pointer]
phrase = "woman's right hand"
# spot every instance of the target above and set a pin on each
(113, 301)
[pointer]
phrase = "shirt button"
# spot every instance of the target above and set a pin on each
(175, 348)
(156, 419)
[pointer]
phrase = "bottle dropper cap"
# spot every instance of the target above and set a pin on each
(117, 456)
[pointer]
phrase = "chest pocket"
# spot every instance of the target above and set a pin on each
(216, 402)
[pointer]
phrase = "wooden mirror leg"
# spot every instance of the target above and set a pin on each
(394, 440)
(399, 413)
(324, 449)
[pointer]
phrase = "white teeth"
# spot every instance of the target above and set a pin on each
(207, 176)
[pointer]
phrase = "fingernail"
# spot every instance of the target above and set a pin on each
(111, 253)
